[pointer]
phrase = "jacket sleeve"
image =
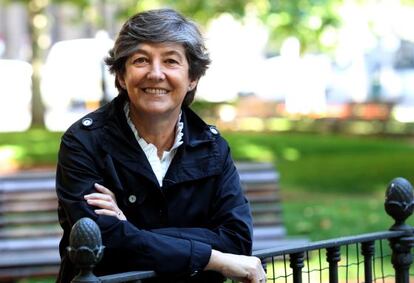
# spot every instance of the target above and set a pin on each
(77, 172)
(231, 219)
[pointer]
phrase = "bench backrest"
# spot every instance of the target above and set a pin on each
(28, 206)
(28, 202)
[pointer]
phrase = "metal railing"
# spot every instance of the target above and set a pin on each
(295, 263)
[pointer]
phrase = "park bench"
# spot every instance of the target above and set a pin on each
(29, 227)
(30, 233)
(260, 181)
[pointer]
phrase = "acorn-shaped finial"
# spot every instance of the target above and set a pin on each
(85, 241)
(399, 201)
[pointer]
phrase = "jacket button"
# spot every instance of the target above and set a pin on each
(87, 122)
(195, 272)
(214, 131)
(132, 198)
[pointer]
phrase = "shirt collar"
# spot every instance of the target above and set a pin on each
(143, 143)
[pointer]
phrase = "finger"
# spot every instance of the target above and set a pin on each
(98, 196)
(109, 213)
(263, 275)
(102, 204)
(103, 189)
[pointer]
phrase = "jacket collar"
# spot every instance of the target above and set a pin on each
(195, 158)
(198, 157)
(196, 131)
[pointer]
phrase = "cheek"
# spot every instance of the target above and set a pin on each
(131, 80)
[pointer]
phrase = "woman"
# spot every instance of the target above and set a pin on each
(158, 181)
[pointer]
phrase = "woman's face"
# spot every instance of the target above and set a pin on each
(157, 79)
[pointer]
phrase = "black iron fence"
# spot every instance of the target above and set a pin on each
(383, 256)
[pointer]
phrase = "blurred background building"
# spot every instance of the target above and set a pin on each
(365, 71)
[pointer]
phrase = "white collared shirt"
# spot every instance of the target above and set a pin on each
(159, 166)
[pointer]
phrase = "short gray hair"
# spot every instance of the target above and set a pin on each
(158, 26)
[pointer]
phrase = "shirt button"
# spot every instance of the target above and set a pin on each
(87, 122)
(132, 198)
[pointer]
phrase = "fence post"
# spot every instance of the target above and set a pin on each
(399, 204)
(368, 251)
(85, 249)
(296, 263)
(333, 256)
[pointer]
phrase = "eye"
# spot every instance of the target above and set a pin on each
(140, 60)
(171, 61)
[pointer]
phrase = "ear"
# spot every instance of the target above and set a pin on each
(192, 85)
(121, 81)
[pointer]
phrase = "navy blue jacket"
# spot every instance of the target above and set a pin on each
(169, 229)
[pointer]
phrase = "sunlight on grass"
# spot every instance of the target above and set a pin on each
(364, 127)
(278, 124)
(252, 151)
(9, 156)
(30, 149)
(252, 124)
(291, 154)
(10, 152)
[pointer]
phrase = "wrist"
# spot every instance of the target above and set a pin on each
(215, 260)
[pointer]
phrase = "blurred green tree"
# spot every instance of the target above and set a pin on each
(307, 20)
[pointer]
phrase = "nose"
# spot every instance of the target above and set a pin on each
(156, 72)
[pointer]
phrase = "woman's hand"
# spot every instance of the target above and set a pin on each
(246, 269)
(105, 201)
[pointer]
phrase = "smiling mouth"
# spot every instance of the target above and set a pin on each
(158, 91)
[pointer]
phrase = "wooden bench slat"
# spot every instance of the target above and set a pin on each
(261, 209)
(259, 177)
(29, 244)
(11, 274)
(267, 222)
(253, 187)
(29, 232)
(31, 258)
(254, 166)
(27, 186)
(261, 199)
(32, 196)
(28, 207)
(36, 220)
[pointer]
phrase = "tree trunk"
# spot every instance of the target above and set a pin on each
(36, 10)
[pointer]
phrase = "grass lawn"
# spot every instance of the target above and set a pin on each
(33, 148)
(331, 185)
(329, 163)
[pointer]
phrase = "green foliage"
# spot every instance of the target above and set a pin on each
(304, 19)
